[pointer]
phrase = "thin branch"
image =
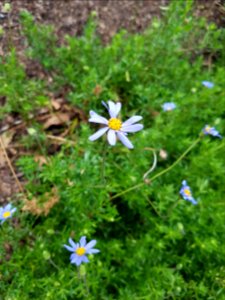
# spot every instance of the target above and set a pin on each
(10, 166)
(160, 173)
(60, 139)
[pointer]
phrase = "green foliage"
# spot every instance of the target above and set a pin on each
(153, 245)
(22, 95)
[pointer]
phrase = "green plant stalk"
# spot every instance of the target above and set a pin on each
(103, 164)
(160, 173)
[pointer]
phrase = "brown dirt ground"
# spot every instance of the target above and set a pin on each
(69, 17)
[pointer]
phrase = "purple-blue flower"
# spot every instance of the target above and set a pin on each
(6, 212)
(186, 193)
(80, 250)
(208, 130)
(208, 84)
(168, 106)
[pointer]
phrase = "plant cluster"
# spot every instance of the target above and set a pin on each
(159, 226)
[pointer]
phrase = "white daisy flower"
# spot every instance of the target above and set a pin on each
(115, 127)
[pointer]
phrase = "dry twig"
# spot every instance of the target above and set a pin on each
(11, 166)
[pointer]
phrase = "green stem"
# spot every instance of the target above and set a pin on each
(54, 265)
(170, 210)
(155, 210)
(103, 164)
(78, 273)
(86, 286)
(160, 173)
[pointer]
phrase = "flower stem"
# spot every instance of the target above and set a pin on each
(86, 285)
(155, 210)
(160, 173)
(103, 164)
(172, 207)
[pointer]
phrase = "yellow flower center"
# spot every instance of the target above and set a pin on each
(115, 124)
(208, 128)
(80, 251)
(6, 214)
(187, 192)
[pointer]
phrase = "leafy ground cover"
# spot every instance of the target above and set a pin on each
(153, 243)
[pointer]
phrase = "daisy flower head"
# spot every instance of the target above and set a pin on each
(114, 127)
(168, 106)
(80, 250)
(208, 130)
(6, 212)
(208, 84)
(186, 193)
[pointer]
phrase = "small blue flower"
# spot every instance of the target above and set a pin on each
(6, 212)
(208, 84)
(208, 130)
(168, 106)
(80, 250)
(186, 193)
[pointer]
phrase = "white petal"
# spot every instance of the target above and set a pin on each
(132, 120)
(97, 134)
(111, 137)
(98, 120)
(132, 128)
(125, 140)
(118, 108)
(95, 118)
(112, 109)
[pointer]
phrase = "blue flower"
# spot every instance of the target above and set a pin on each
(168, 106)
(80, 250)
(186, 193)
(6, 212)
(208, 84)
(208, 130)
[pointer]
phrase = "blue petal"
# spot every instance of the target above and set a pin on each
(90, 245)
(83, 241)
(77, 260)
(193, 201)
(73, 256)
(8, 207)
(73, 244)
(92, 251)
(13, 210)
(69, 248)
(85, 259)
